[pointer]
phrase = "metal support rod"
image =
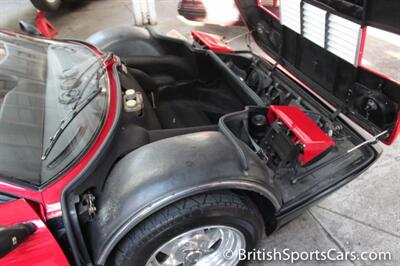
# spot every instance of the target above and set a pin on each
(341, 156)
(237, 36)
(371, 140)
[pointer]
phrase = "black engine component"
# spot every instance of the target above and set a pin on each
(242, 74)
(274, 140)
(376, 107)
(11, 237)
(258, 80)
(258, 126)
(274, 96)
(254, 77)
(286, 134)
(279, 146)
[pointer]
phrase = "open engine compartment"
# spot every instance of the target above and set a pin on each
(193, 91)
(183, 95)
(178, 90)
(291, 126)
(183, 90)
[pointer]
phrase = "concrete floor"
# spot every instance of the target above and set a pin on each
(362, 216)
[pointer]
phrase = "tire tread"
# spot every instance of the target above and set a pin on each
(181, 209)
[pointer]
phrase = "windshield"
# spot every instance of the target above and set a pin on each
(40, 83)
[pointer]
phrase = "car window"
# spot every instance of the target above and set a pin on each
(39, 84)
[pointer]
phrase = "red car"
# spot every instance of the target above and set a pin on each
(192, 10)
(221, 12)
(210, 12)
(134, 148)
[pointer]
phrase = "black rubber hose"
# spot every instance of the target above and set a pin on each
(11, 237)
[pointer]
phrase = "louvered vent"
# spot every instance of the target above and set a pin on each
(336, 34)
(314, 24)
(290, 14)
(344, 38)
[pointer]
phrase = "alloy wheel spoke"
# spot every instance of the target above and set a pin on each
(203, 245)
(214, 236)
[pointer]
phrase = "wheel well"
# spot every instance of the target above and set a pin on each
(264, 206)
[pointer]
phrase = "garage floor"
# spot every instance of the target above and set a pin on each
(363, 216)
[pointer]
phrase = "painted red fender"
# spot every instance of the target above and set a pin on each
(41, 248)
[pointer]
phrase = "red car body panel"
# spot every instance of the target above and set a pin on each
(362, 45)
(306, 132)
(20, 191)
(211, 41)
(41, 248)
(395, 133)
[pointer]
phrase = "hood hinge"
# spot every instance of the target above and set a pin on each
(86, 207)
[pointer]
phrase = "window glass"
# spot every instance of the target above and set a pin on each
(43, 83)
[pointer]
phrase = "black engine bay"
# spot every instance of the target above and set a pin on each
(224, 89)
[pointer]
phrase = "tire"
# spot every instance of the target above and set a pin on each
(48, 5)
(215, 210)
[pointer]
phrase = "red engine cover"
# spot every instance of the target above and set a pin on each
(306, 132)
(211, 41)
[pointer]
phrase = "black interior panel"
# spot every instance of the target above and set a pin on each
(183, 95)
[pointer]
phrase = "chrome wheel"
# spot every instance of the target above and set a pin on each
(209, 245)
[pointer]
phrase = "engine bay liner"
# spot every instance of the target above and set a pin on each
(294, 178)
(188, 90)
